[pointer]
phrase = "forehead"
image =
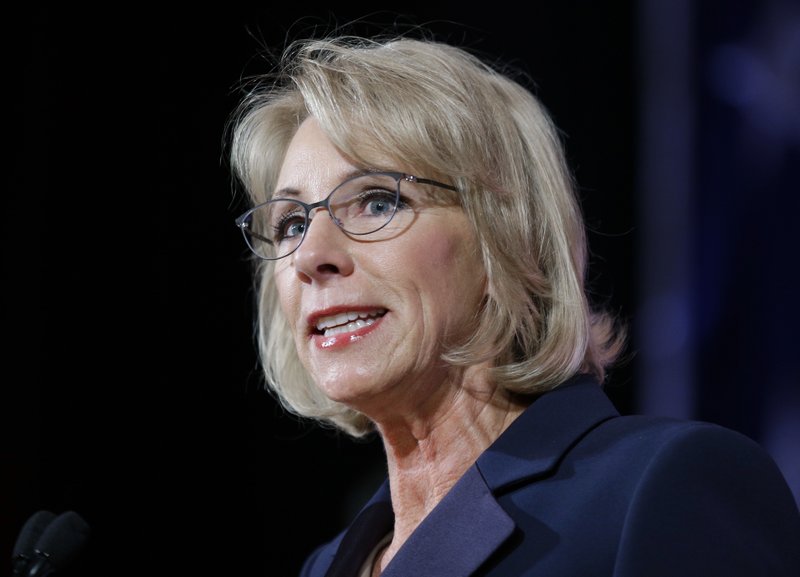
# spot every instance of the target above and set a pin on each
(312, 162)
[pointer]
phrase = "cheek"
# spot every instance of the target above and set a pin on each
(288, 296)
(453, 269)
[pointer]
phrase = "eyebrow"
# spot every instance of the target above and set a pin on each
(295, 192)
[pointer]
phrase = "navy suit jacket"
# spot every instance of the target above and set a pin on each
(573, 489)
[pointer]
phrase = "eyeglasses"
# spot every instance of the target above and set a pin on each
(361, 205)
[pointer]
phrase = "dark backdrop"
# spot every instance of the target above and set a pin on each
(130, 384)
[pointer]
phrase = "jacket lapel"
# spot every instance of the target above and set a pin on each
(537, 440)
(468, 524)
(374, 521)
(462, 531)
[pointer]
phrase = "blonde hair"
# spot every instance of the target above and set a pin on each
(444, 113)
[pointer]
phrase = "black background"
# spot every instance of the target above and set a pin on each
(129, 366)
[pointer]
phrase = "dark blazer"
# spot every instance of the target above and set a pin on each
(573, 489)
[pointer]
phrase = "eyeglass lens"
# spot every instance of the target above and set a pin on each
(361, 205)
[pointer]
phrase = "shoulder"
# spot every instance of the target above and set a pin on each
(703, 496)
(657, 496)
(679, 448)
(673, 460)
(663, 437)
(593, 492)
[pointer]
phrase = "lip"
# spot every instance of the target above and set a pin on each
(342, 339)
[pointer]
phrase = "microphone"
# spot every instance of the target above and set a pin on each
(24, 548)
(58, 545)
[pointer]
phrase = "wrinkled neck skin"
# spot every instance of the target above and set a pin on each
(430, 447)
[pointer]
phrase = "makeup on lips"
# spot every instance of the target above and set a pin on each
(332, 329)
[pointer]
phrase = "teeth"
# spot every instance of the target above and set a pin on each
(347, 322)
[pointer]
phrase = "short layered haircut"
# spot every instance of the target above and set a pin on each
(442, 112)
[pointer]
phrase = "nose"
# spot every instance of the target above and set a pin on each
(323, 254)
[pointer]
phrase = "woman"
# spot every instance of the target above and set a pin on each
(421, 260)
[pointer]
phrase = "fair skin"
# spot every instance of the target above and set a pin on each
(422, 287)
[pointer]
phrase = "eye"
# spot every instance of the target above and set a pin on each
(289, 225)
(377, 202)
(366, 203)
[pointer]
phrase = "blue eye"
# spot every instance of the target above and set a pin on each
(377, 203)
(289, 226)
(362, 204)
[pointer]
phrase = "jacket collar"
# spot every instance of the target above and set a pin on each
(468, 524)
(457, 536)
(371, 524)
(537, 440)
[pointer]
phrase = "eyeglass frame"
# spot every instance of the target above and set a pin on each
(242, 220)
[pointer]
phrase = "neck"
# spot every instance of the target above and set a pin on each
(427, 453)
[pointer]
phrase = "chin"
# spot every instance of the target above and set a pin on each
(341, 392)
(354, 395)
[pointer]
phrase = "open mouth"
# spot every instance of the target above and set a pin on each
(347, 322)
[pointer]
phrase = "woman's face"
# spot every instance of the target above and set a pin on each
(396, 303)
